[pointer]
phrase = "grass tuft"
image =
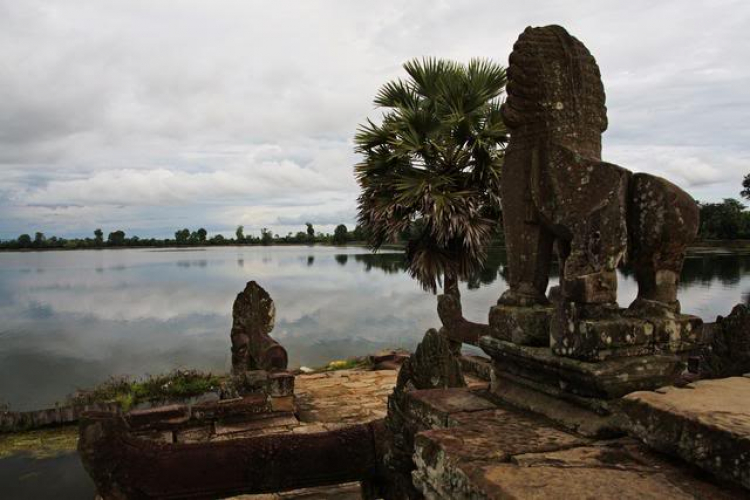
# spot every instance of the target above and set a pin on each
(128, 392)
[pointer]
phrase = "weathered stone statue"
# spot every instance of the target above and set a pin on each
(558, 195)
(253, 317)
(557, 188)
(432, 366)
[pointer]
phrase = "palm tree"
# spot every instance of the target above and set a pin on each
(431, 169)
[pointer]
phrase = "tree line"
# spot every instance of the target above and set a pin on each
(186, 237)
(728, 220)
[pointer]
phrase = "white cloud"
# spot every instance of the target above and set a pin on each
(152, 115)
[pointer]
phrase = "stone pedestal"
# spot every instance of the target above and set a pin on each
(572, 362)
(521, 325)
(605, 332)
(580, 395)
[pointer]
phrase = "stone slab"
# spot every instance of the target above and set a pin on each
(247, 405)
(604, 380)
(588, 417)
(444, 456)
(510, 457)
(259, 422)
(199, 434)
(477, 366)
(706, 423)
(433, 407)
(161, 416)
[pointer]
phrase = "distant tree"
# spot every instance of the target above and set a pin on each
(340, 235)
(201, 233)
(240, 233)
(310, 231)
(98, 237)
(218, 239)
(723, 221)
(182, 236)
(24, 241)
(39, 239)
(116, 238)
(266, 238)
(746, 187)
(359, 234)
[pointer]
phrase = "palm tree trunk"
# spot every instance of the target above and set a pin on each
(458, 329)
(450, 286)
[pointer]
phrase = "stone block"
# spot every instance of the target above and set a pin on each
(282, 403)
(575, 334)
(247, 405)
(478, 366)
(281, 384)
(706, 424)
(521, 325)
(580, 333)
(256, 425)
(433, 407)
(200, 434)
(158, 436)
(681, 333)
(253, 381)
(160, 416)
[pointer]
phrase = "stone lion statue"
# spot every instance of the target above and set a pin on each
(557, 191)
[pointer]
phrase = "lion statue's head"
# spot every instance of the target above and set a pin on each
(555, 92)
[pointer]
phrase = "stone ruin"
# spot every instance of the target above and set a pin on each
(253, 318)
(559, 197)
(582, 390)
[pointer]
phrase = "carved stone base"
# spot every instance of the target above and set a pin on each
(574, 379)
(594, 418)
(597, 333)
(521, 325)
(581, 396)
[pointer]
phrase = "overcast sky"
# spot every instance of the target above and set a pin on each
(149, 116)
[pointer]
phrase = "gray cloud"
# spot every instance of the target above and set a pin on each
(153, 115)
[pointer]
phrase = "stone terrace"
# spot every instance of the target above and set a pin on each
(485, 450)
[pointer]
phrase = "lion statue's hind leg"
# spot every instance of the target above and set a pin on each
(662, 220)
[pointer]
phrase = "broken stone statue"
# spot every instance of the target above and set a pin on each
(253, 317)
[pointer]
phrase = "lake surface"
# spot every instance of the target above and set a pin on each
(71, 319)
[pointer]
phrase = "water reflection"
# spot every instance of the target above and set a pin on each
(23, 477)
(192, 263)
(341, 259)
(75, 324)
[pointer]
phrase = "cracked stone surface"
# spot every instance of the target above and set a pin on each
(343, 397)
(706, 423)
(506, 453)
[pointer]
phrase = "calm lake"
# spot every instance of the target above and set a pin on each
(72, 319)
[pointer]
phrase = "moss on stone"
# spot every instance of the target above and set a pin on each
(129, 391)
(347, 364)
(44, 443)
